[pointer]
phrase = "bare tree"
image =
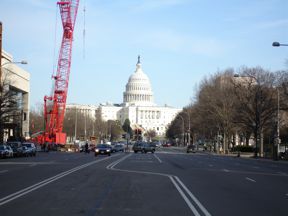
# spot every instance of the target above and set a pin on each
(150, 134)
(10, 103)
(255, 90)
(36, 119)
(115, 130)
(216, 106)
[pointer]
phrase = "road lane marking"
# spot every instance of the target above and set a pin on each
(178, 184)
(225, 170)
(26, 163)
(283, 173)
(193, 209)
(249, 179)
(160, 161)
(38, 185)
(204, 210)
(3, 171)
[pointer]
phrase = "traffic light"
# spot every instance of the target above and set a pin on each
(138, 133)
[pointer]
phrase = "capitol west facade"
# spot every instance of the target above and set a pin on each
(138, 106)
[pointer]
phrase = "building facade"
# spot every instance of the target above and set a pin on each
(19, 82)
(138, 106)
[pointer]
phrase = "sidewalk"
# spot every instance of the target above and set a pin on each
(247, 155)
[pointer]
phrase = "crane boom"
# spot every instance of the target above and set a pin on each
(54, 105)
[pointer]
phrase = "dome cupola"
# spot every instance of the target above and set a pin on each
(138, 89)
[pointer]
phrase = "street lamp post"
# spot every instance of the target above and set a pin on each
(277, 140)
(189, 126)
(75, 129)
(277, 44)
(183, 128)
(277, 143)
(2, 65)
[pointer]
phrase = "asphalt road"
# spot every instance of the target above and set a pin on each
(169, 182)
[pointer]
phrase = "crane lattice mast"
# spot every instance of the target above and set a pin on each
(54, 105)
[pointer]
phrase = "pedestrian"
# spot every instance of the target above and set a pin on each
(86, 147)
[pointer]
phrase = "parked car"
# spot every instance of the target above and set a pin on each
(103, 149)
(147, 147)
(191, 148)
(138, 147)
(5, 151)
(26, 151)
(166, 145)
(16, 148)
(31, 148)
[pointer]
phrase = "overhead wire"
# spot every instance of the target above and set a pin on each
(84, 11)
(54, 52)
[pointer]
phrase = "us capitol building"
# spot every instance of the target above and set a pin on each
(138, 106)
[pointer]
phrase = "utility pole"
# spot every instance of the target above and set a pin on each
(75, 133)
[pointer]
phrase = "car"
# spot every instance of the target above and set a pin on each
(191, 148)
(138, 147)
(31, 148)
(16, 148)
(5, 151)
(102, 149)
(147, 147)
(26, 151)
(119, 148)
(166, 145)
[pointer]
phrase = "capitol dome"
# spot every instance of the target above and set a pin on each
(138, 89)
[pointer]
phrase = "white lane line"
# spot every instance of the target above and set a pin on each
(26, 163)
(249, 179)
(193, 209)
(160, 161)
(204, 210)
(3, 171)
(177, 185)
(38, 185)
(225, 170)
(283, 173)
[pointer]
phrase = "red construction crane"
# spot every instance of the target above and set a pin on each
(54, 105)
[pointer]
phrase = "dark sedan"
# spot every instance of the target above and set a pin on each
(103, 149)
(138, 147)
(191, 148)
(148, 147)
(5, 151)
(31, 148)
